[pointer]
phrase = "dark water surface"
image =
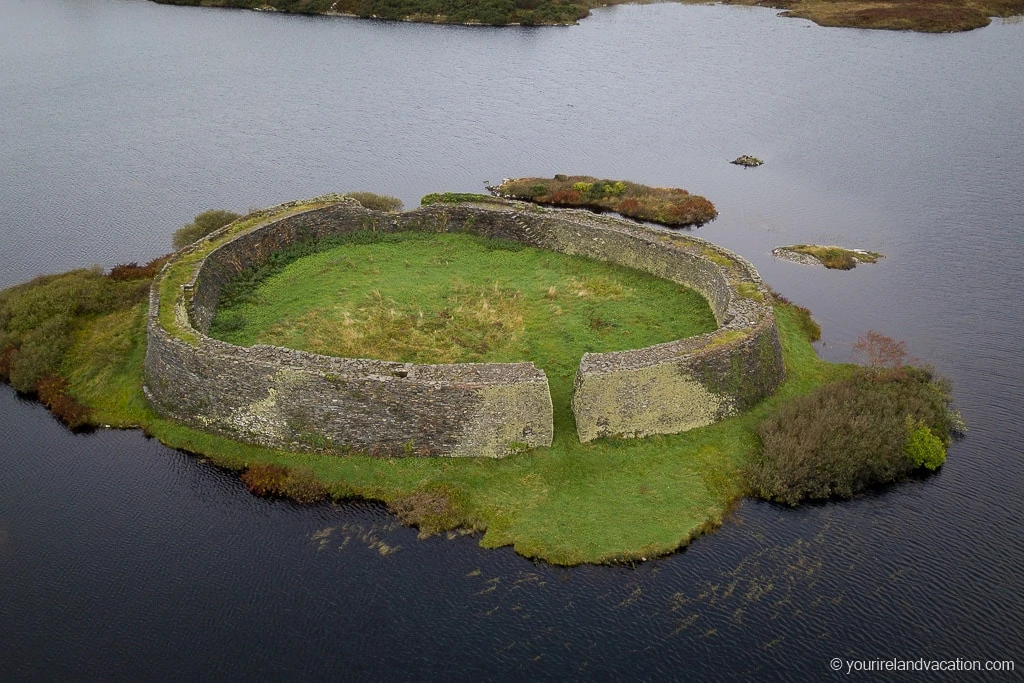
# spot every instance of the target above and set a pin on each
(121, 119)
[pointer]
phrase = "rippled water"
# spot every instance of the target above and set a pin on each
(121, 119)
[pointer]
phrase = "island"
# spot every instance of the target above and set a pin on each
(670, 206)
(935, 16)
(832, 257)
(747, 161)
(579, 386)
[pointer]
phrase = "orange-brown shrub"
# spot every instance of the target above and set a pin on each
(270, 480)
(52, 392)
(133, 271)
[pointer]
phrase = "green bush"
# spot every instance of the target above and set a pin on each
(852, 434)
(38, 319)
(201, 226)
(924, 448)
(377, 202)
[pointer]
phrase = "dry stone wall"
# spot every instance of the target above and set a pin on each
(291, 399)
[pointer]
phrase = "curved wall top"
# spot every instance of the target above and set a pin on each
(297, 400)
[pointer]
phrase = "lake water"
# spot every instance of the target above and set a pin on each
(121, 119)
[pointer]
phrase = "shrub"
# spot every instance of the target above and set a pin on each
(265, 479)
(201, 226)
(53, 393)
(133, 271)
(924, 448)
(879, 351)
(850, 435)
(569, 197)
(6, 362)
(302, 485)
(666, 205)
(377, 202)
(298, 484)
(429, 510)
(41, 352)
(38, 319)
(837, 259)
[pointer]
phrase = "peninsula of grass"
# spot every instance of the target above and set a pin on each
(835, 258)
(79, 340)
(934, 16)
(670, 206)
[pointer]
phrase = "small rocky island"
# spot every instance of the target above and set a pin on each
(836, 258)
(747, 161)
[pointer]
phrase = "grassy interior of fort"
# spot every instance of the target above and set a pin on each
(453, 298)
(910, 15)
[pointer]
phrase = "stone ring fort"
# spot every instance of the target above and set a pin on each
(295, 400)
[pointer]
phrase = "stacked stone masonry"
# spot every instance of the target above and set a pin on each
(295, 400)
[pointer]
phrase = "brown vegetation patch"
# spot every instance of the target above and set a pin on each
(276, 481)
(901, 15)
(6, 362)
(670, 206)
(53, 393)
(133, 271)
(431, 511)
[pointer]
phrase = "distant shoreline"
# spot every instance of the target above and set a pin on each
(937, 16)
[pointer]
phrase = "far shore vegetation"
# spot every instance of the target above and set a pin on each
(78, 340)
(934, 16)
(671, 206)
(836, 258)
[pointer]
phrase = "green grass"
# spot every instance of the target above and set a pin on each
(450, 298)
(457, 198)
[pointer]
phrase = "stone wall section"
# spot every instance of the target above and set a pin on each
(283, 398)
(666, 388)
